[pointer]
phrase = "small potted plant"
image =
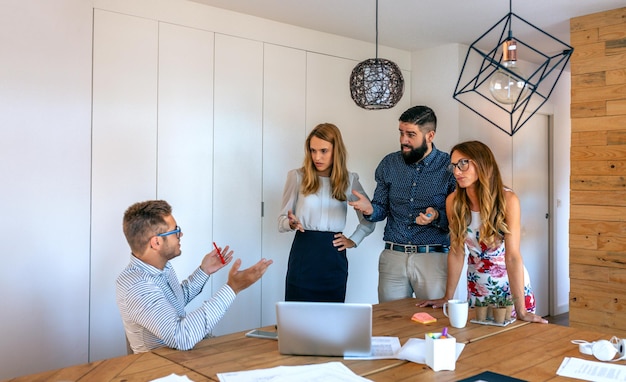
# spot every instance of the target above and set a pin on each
(481, 307)
(499, 310)
(491, 302)
(508, 304)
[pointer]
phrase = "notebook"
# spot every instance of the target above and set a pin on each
(324, 328)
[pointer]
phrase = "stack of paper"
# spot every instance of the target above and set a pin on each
(591, 370)
(382, 348)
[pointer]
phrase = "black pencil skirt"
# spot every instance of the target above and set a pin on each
(316, 271)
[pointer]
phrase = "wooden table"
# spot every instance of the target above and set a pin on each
(522, 350)
(131, 368)
(531, 352)
(394, 319)
(235, 352)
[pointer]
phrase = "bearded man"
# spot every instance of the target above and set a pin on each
(412, 186)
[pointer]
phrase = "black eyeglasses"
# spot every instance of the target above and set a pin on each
(462, 164)
(175, 231)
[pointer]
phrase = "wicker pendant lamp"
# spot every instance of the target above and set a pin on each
(376, 83)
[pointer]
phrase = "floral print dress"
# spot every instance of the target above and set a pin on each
(486, 270)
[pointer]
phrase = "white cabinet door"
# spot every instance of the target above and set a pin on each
(185, 140)
(284, 132)
(124, 165)
(237, 168)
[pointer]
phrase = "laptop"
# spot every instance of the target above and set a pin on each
(324, 328)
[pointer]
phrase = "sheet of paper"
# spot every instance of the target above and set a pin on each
(414, 350)
(324, 372)
(173, 378)
(382, 348)
(591, 370)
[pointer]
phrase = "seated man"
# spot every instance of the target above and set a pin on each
(151, 299)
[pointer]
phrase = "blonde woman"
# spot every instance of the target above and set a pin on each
(315, 201)
(484, 217)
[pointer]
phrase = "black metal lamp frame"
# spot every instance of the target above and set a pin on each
(474, 93)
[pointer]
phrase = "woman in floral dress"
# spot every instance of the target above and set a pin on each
(485, 218)
(486, 269)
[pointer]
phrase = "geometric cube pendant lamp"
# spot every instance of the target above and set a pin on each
(495, 85)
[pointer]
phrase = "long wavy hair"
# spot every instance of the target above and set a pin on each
(490, 191)
(339, 171)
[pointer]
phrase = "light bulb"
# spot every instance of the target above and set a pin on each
(507, 86)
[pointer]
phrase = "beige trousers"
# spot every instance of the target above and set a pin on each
(402, 275)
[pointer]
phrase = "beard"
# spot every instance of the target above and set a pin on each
(172, 249)
(416, 154)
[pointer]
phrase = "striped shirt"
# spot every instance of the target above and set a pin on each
(152, 305)
(404, 190)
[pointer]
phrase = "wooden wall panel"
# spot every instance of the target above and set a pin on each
(607, 152)
(582, 37)
(616, 107)
(595, 257)
(604, 93)
(589, 109)
(616, 122)
(593, 183)
(587, 138)
(617, 198)
(616, 76)
(597, 226)
(598, 20)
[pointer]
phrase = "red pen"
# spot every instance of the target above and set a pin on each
(219, 253)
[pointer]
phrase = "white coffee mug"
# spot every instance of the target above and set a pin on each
(456, 311)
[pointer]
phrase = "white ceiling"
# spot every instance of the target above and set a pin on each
(418, 24)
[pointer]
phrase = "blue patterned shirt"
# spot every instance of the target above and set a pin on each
(152, 304)
(404, 190)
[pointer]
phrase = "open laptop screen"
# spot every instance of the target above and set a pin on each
(324, 328)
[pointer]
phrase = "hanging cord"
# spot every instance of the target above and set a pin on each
(510, 19)
(376, 29)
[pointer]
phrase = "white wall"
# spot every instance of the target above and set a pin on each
(45, 154)
(434, 73)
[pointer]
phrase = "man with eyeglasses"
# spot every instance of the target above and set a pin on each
(411, 190)
(150, 298)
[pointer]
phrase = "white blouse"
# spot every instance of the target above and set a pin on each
(320, 211)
